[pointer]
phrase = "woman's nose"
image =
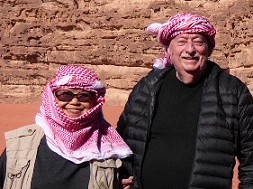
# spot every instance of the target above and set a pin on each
(74, 100)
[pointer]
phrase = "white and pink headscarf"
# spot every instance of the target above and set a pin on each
(181, 23)
(84, 138)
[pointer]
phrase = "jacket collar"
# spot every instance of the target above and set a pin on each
(157, 74)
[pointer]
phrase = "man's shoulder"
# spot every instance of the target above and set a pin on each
(228, 83)
(224, 75)
(156, 74)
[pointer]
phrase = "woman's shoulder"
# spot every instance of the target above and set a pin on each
(22, 131)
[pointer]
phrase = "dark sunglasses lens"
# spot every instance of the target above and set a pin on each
(66, 96)
(84, 97)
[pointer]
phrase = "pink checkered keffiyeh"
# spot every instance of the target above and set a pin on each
(181, 23)
(79, 139)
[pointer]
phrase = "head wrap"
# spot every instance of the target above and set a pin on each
(182, 23)
(77, 77)
(84, 138)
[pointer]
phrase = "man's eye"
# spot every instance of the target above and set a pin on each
(181, 42)
(199, 43)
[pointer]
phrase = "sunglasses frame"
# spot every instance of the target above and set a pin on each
(90, 95)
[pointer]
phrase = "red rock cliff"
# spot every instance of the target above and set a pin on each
(37, 36)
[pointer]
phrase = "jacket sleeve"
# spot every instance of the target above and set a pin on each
(123, 125)
(135, 118)
(2, 168)
(138, 98)
(245, 153)
(123, 122)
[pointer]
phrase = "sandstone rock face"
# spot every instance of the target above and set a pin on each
(108, 36)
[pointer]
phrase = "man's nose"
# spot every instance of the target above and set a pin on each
(190, 48)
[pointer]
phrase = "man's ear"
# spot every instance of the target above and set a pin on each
(167, 49)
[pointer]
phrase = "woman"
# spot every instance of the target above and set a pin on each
(71, 145)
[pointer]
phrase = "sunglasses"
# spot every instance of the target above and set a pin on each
(67, 96)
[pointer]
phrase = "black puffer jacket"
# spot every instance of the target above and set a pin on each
(225, 129)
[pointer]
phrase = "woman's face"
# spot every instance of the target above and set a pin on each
(75, 102)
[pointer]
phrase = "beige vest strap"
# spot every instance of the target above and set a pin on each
(104, 175)
(21, 150)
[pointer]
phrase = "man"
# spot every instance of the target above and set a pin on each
(187, 120)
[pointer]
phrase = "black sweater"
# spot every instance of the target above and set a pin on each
(170, 149)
